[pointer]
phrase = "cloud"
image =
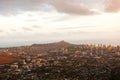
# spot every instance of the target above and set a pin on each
(71, 7)
(13, 29)
(74, 28)
(16, 6)
(1, 31)
(31, 20)
(27, 29)
(13, 7)
(112, 5)
(35, 26)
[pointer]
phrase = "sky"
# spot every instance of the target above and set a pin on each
(25, 22)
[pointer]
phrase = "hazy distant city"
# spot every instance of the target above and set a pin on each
(60, 61)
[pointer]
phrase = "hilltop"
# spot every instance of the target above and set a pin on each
(7, 54)
(60, 43)
(54, 45)
(36, 48)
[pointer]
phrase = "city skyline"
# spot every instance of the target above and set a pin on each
(76, 21)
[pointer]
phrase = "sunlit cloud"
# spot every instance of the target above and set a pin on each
(112, 5)
(71, 7)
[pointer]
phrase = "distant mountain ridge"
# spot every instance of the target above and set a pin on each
(53, 46)
(60, 43)
(36, 48)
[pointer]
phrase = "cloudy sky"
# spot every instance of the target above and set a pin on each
(24, 22)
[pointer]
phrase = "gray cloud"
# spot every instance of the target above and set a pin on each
(13, 7)
(27, 29)
(1, 31)
(16, 6)
(35, 26)
(112, 5)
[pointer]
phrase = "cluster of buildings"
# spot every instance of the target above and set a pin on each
(86, 62)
